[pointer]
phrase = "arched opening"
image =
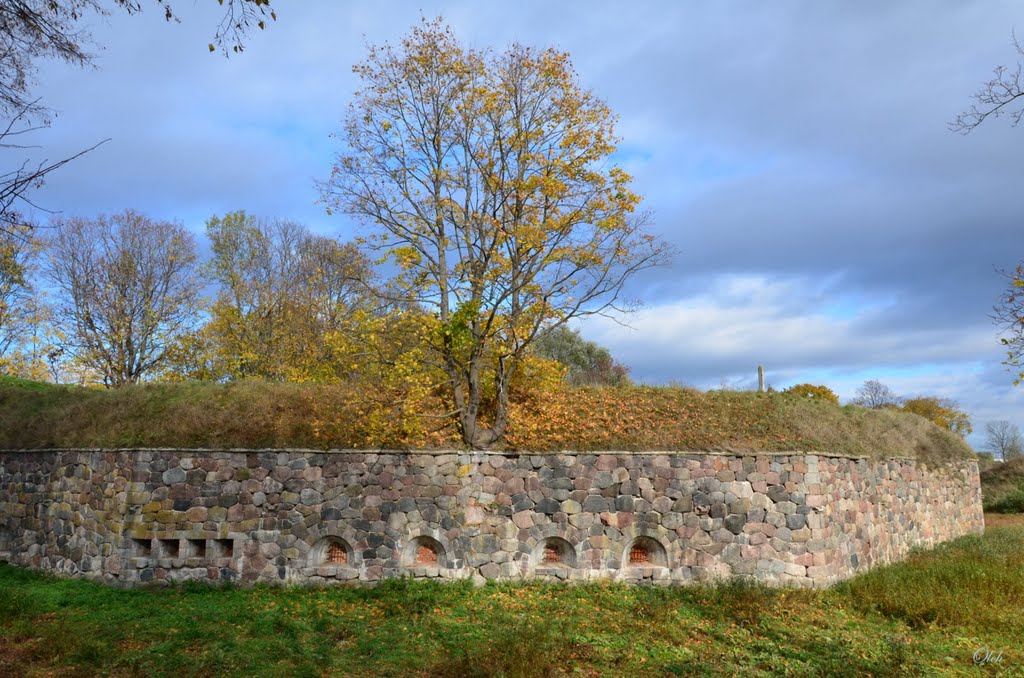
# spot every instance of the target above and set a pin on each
(425, 551)
(646, 552)
(331, 551)
(554, 552)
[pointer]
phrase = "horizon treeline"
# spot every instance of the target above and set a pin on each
(122, 299)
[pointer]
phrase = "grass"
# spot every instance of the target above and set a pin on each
(926, 616)
(255, 414)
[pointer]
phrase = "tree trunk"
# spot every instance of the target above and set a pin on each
(477, 437)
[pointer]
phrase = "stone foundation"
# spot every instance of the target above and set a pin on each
(295, 516)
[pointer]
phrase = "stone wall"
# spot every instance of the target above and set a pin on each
(136, 516)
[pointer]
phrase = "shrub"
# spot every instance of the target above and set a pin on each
(814, 392)
(1011, 502)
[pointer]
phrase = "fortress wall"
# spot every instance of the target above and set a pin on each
(129, 517)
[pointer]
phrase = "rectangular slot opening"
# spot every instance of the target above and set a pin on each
(197, 548)
(169, 548)
(142, 547)
(223, 548)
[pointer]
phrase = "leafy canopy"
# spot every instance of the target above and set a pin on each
(490, 181)
(942, 412)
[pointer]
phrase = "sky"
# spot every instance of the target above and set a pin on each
(827, 222)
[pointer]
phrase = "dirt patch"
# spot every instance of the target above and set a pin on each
(15, 656)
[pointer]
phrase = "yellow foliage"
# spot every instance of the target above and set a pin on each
(942, 412)
(814, 392)
(491, 178)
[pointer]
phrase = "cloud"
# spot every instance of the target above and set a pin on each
(790, 325)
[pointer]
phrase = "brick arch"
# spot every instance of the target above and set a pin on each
(554, 552)
(664, 544)
(332, 551)
(568, 539)
(645, 551)
(412, 554)
(318, 535)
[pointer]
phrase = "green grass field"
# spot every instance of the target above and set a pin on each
(928, 615)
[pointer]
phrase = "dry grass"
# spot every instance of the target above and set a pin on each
(994, 520)
(255, 414)
(669, 418)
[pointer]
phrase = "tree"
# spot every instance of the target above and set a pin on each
(586, 362)
(490, 179)
(1009, 316)
(127, 289)
(17, 250)
(1002, 95)
(875, 395)
(287, 301)
(942, 412)
(1004, 440)
(29, 343)
(813, 392)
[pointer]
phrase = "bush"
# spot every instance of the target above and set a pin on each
(823, 393)
(1011, 502)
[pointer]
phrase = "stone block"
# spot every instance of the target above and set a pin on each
(571, 507)
(173, 475)
(801, 535)
(796, 521)
(785, 507)
(734, 522)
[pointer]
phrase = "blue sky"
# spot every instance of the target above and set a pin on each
(829, 225)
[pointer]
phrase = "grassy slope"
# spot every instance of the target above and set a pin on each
(928, 615)
(259, 414)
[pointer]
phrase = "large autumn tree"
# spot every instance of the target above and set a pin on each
(491, 180)
(942, 412)
(17, 250)
(1009, 316)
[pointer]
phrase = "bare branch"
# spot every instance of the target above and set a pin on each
(996, 98)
